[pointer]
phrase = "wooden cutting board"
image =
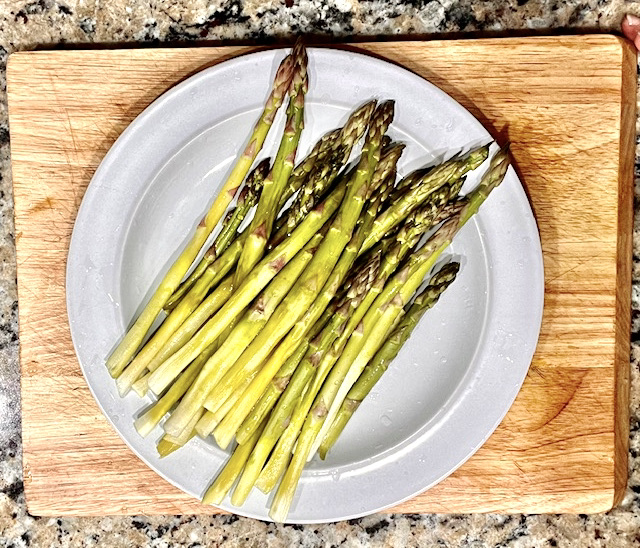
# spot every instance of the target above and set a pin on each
(568, 106)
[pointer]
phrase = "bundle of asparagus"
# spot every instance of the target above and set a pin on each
(279, 332)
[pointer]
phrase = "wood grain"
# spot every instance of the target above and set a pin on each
(566, 103)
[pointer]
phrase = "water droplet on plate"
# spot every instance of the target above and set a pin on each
(385, 420)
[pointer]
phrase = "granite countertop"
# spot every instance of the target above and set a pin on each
(26, 24)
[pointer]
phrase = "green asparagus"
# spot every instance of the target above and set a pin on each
(123, 353)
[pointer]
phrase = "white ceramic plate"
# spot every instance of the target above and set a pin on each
(451, 384)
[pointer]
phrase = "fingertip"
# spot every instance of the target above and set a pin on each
(631, 26)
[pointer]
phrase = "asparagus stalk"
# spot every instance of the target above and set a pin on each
(242, 334)
(259, 277)
(307, 288)
(272, 394)
(387, 353)
(417, 193)
(385, 172)
(247, 198)
(206, 424)
(147, 422)
(412, 180)
(426, 257)
(141, 386)
(323, 175)
(314, 420)
(380, 174)
(123, 353)
(188, 432)
(333, 339)
(183, 334)
(212, 421)
(323, 333)
(280, 456)
(281, 416)
(368, 337)
(301, 171)
(407, 237)
(260, 228)
(319, 344)
(259, 350)
(165, 447)
(231, 471)
(328, 163)
(208, 307)
(187, 305)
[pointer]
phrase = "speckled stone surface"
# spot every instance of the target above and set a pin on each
(27, 24)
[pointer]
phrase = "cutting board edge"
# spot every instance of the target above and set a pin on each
(624, 268)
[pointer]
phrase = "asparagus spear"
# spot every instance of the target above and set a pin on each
(363, 279)
(345, 325)
(187, 305)
(193, 323)
(311, 318)
(450, 209)
(188, 432)
(413, 179)
(328, 163)
(206, 424)
(141, 386)
(382, 181)
(259, 277)
(333, 339)
(255, 354)
(165, 447)
(147, 422)
(260, 228)
(323, 175)
(209, 420)
(389, 350)
(247, 198)
(212, 421)
(385, 172)
(281, 416)
(416, 224)
(231, 471)
(272, 394)
(280, 456)
(242, 334)
(183, 334)
(208, 307)
(301, 171)
(307, 288)
(435, 178)
(368, 337)
(123, 353)
(425, 257)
